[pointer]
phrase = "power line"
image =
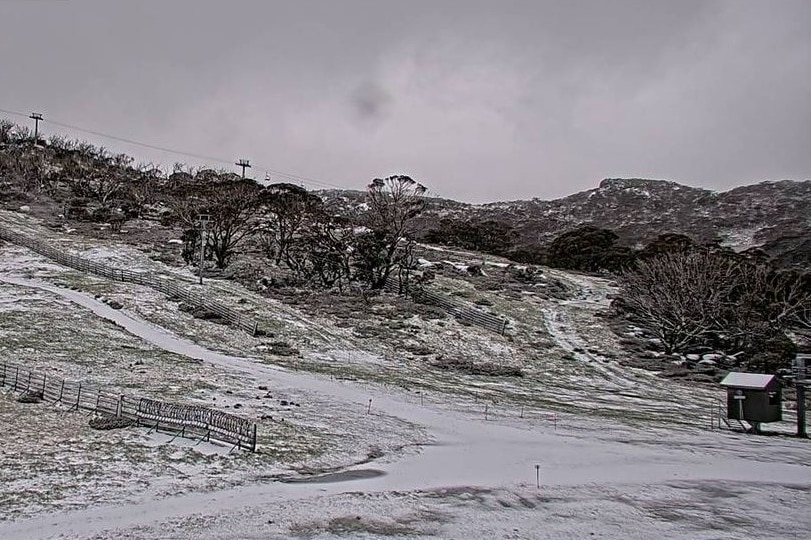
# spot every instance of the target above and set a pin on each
(288, 176)
(292, 178)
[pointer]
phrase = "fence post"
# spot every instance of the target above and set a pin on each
(44, 379)
(253, 445)
(3, 383)
(78, 396)
(137, 413)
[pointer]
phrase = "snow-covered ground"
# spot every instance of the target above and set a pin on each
(630, 455)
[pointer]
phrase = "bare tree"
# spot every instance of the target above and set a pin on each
(765, 303)
(290, 208)
(393, 204)
(677, 296)
(6, 131)
(321, 254)
(231, 204)
(232, 210)
(29, 171)
(702, 297)
(141, 191)
(100, 179)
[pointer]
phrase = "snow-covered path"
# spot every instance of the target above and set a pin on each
(464, 451)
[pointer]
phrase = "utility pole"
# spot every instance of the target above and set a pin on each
(801, 364)
(36, 117)
(245, 164)
(203, 220)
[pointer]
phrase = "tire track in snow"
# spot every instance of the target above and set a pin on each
(621, 386)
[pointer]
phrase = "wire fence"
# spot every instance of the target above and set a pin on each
(163, 285)
(185, 420)
(464, 312)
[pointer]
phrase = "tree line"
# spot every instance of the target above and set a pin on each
(368, 245)
(686, 295)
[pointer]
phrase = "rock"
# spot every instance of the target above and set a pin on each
(263, 387)
(25, 208)
(30, 397)
(115, 304)
(282, 348)
(676, 373)
(418, 350)
(693, 357)
(108, 421)
(712, 356)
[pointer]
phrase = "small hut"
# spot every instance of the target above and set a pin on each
(753, 397)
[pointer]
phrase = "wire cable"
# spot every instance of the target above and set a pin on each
(272, 173)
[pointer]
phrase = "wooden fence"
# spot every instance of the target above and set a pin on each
(185, 420)
(461, 311)
(166, 286)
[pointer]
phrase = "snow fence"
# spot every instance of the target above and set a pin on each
(164, 285)
(185, 420)
(463, 312)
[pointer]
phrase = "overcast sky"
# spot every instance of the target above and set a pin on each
(478, 100)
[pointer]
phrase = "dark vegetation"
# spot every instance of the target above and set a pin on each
(694, 299)
(686, 295)
(772, 215)
(292, 227)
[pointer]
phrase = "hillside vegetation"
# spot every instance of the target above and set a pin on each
(683, 289)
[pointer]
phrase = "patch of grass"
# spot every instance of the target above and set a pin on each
(352, 526)
(477, 368)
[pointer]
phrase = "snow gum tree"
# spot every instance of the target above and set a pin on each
(289, 210)
(386, 242)
(230, 202)
(708, 297)
(677, 296)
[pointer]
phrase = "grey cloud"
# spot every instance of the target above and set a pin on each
(480, 100)
(370, 102)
